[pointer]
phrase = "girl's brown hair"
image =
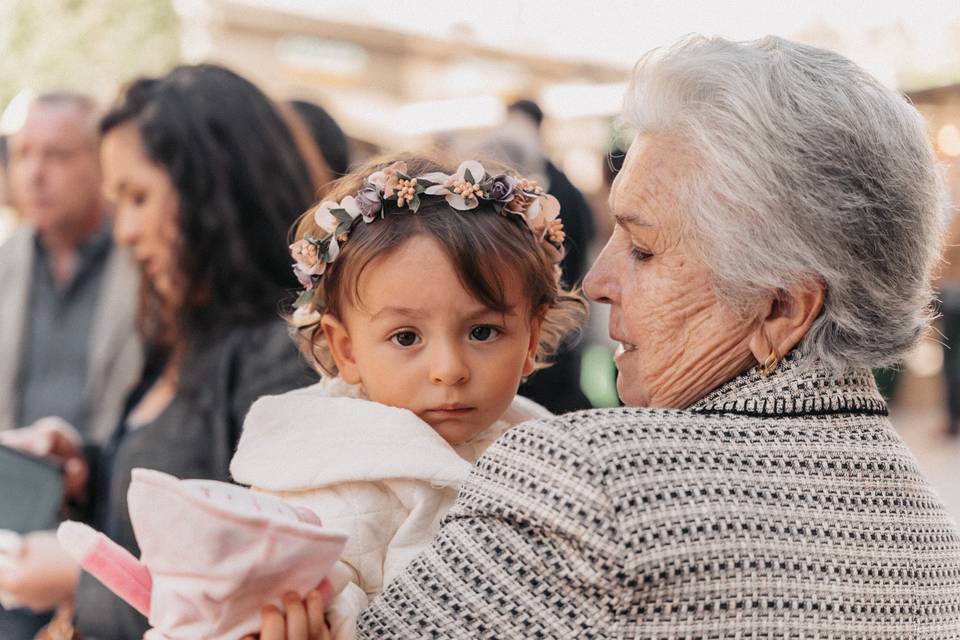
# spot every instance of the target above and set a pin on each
(482, 245)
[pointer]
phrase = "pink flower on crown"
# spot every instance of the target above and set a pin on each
(555, 233)
(519, 204)
(461, 193)
(305, 253)
(387, 180)
(307, 262)
(406, 191)
(525, 184)
(541, 214)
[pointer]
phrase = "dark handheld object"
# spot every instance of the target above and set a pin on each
(31, 492)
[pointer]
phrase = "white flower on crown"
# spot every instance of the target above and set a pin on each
(305, 315)
(324, 217)
(460, 189)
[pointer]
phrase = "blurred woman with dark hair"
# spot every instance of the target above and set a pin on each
(206, 180)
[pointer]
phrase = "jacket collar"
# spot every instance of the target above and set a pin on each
(799, 386)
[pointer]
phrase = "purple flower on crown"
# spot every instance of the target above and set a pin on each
(308, 263)
(368, 201)
(501, 188)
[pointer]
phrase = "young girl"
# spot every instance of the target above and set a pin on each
(429, 294)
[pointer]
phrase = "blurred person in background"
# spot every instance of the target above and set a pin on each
(576, 211)
(206, 180)
(327, 135)
(68, 350)
(8, 215)
(517, 142)
(316, 164)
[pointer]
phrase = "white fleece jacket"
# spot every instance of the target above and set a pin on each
(377, 473)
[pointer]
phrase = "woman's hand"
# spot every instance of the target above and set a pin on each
(44, 576)
(56, 439)
(304, 619)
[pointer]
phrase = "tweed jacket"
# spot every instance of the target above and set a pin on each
(779, 507)
(115, 356)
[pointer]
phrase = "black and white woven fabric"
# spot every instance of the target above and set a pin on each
(784, 507)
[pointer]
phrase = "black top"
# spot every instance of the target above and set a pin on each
(558, 387)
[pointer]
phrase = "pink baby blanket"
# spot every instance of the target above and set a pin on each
(211, 555)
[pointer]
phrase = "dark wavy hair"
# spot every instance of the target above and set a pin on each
(241, 184)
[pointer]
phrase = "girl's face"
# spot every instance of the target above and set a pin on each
(417, 339)
(146, 206)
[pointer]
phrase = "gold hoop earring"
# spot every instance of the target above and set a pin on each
(770, 364)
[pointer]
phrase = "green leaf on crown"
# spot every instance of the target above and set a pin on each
(341, 215)
(305, 297)
(414, 204)
(468, 176)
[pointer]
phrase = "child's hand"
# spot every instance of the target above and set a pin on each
(302, 619)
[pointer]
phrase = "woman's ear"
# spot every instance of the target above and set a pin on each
(786, 318)
(530, 360)
(341, 348)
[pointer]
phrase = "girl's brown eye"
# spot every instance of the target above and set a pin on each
(483, 333)
(404, 338)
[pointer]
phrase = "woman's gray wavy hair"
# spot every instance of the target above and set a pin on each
(805, 168)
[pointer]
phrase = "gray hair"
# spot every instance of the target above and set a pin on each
(804, 168)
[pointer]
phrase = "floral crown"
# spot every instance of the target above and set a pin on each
(463, 191)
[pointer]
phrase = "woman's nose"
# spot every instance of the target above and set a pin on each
(447, 366)
(600, 283)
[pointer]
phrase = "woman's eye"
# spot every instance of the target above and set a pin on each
(484, 333)
(639, 254)
(404, 338)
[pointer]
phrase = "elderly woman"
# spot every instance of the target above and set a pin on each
(777, 220)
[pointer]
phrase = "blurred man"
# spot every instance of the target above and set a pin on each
(68, 347)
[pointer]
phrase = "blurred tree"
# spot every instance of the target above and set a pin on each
(88, 45)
